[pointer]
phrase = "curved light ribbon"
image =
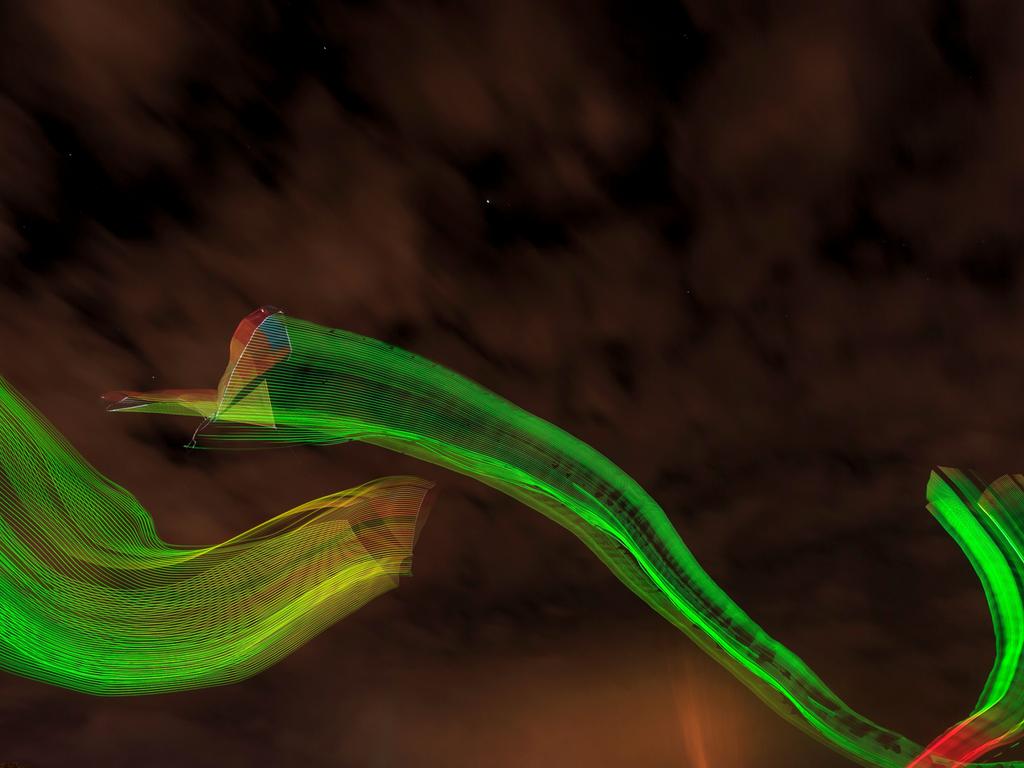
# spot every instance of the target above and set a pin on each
(291, 381)
(93, 600)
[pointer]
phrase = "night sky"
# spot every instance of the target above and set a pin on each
(763, 255)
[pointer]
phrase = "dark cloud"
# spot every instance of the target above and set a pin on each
(762, 255)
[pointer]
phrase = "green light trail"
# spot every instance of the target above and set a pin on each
(291, 381)
(91, 599)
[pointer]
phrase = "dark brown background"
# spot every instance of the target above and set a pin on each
(762, 255)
